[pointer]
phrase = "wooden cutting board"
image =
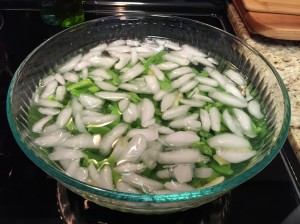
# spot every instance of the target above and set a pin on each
(273, 6)
(273, 25)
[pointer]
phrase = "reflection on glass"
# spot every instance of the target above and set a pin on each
(1, 22)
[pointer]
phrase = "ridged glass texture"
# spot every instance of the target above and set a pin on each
(213, 41)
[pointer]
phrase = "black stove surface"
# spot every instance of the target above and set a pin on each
(29, 196)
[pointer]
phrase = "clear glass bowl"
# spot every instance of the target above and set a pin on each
(213, 41)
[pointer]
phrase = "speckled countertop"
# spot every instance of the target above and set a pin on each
(285, 57)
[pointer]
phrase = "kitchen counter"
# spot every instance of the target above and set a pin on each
(285, 57)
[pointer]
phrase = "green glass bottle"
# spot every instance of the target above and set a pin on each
(47, 10)
(69, 12)
(62, 12)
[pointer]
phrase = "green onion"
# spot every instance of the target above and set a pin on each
(205, 134)
(202, 73)
(115, 77)
(90, 157)
(98, 130)
(78, 92)
(225, 169)
(203, 147)
(133, 97)
(213, 176)
(197, 182)
(155, 59)
(72, 127)
(222, 66)
(165, 85)
(94, 89)
(52, 98)
(81, 84)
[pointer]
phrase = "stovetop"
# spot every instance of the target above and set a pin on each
(28, 195)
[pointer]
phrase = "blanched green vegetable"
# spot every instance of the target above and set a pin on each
(147, 116)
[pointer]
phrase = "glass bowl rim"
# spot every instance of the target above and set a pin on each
(153, 198)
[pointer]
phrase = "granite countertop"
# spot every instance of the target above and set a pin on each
(285, 57)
